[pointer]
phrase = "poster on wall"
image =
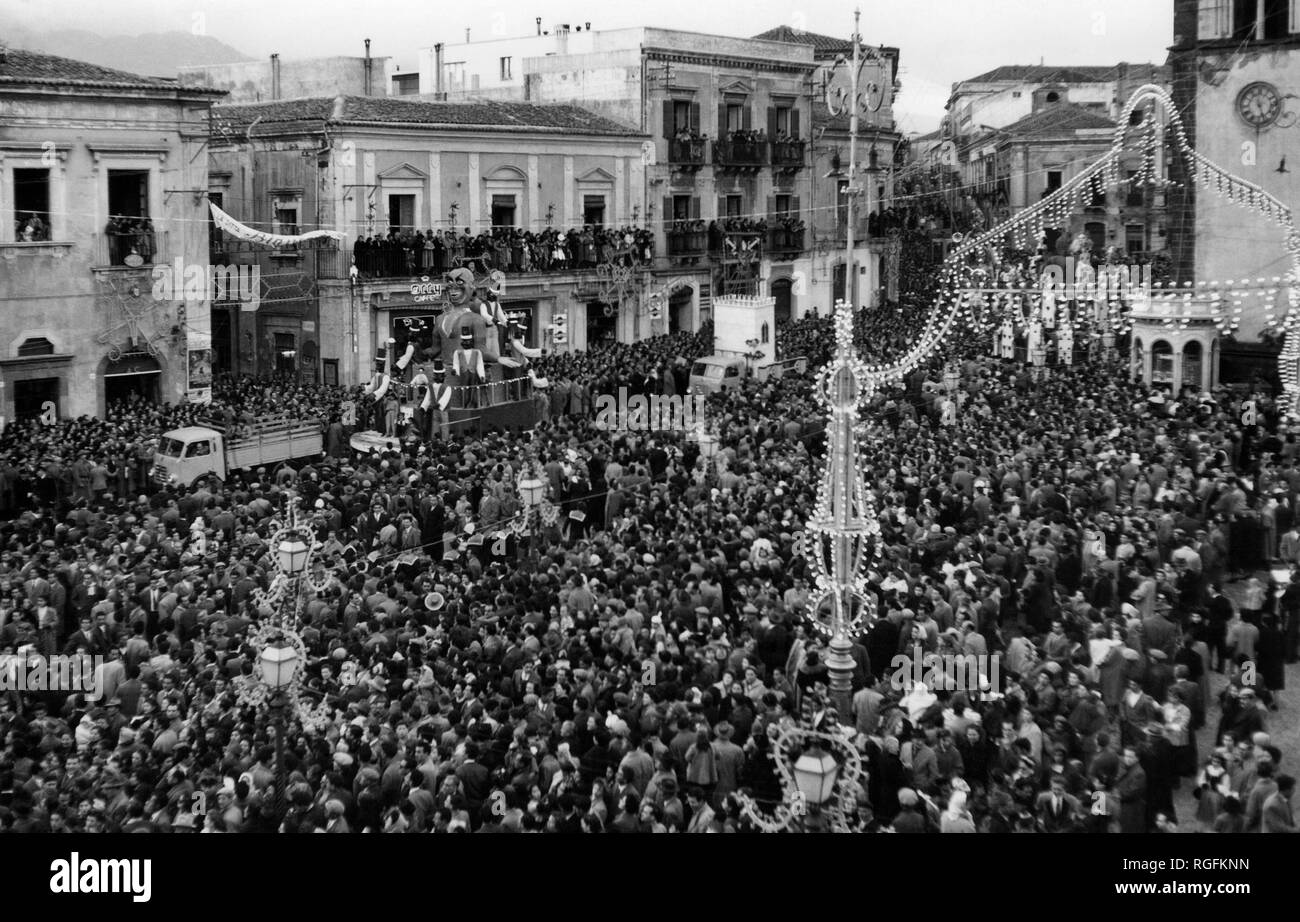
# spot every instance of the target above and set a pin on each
(198, 381)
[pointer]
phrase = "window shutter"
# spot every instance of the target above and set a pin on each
(668, 118)
(771, 121)
(722, 120)
(794, 206)
(695, 117)
(1213, 19)
(668, 215)
(1293, 22)
(794, 123)
(722, 207)
(771, 206)
(695, 207)
(747, 117)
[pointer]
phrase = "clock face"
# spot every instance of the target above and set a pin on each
(1259, 104)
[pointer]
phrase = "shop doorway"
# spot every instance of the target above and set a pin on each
(679, 311)
(32, 396)
(602, 323)
(781, 290)
(132, 379)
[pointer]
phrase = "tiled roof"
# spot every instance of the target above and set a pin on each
(18, 66)
(486, 115)
(828, 44)
(1010, 73)
(1058, 118)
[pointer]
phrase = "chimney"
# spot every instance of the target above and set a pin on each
(437, 71)
(368, 65)
(539, 25)
(275, 76)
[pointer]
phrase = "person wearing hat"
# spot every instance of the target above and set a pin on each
(467, 364)
(437, 398)
(909, 818)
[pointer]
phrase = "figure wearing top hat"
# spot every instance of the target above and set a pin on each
(467, 365)
(437, 397)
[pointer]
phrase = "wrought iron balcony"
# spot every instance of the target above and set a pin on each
(788, 155)
(785, 240)
(687, 243)
(740, 153)
(686, 153)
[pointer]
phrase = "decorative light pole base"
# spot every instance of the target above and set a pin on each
(840, 664)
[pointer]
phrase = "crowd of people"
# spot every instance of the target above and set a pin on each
(624, 662)
(508, 249)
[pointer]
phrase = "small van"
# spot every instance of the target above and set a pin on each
(715, 373)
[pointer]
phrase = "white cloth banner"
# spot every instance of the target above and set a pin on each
(243, 232)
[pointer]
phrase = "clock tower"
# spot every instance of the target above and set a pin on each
(1236, 80)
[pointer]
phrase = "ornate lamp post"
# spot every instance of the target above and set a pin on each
(281, 653)
(531, 486)
(859, 98)
(279, 662)
(820, 773)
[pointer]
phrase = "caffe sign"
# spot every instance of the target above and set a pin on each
(425, 290)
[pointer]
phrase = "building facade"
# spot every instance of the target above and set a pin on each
(276, 79)
(103, 180)
(1013, 168)
(735, 187)
(877, 155)
(371, 168)
(1235, 67)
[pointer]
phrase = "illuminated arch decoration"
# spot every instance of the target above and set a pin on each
(964, 295)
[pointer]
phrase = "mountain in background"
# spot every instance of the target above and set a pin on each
(160, 54)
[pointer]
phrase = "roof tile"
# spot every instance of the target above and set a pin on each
(381, 109)
(19, 66)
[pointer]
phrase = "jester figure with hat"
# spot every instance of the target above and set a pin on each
(376, 390)
(432, 411)
(469, 367)
(463, 318)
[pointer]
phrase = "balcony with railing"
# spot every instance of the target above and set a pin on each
(741, 151)
(687, 240)
(687, 153)
(788, 155)
(129, 248)
(785, 241)
(517, 253)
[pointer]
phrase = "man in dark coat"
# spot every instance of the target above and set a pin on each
(1131, 788)
(1159, 763)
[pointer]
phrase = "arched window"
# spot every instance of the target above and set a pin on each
(36, 345)
(766, 333)
(1192, 354)
(1162, 362)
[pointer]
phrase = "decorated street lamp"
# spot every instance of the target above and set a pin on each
(821, 777)
(276, 682)
(860, 98)
(537, 510)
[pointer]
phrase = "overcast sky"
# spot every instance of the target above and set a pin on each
(941, 40)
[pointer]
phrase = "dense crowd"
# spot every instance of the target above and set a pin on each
(624, 662)
(508, 249)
